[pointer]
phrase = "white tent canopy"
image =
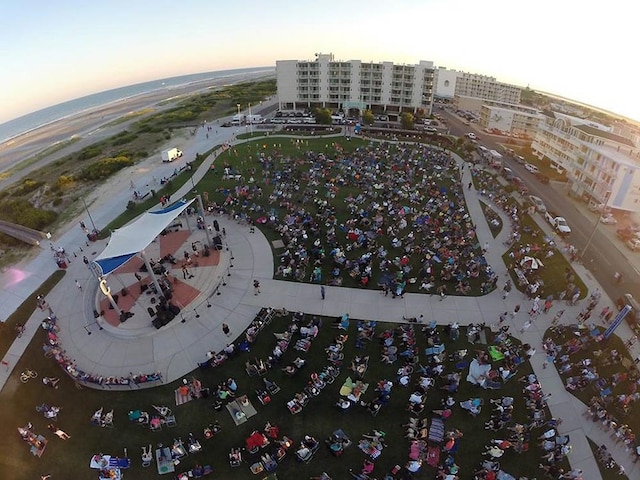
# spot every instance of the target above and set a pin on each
(127, 242)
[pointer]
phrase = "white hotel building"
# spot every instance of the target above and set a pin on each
(382, 87)
(600, 165)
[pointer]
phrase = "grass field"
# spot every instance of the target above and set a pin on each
(319, 418)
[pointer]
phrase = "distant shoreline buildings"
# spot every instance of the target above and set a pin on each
(602, 163)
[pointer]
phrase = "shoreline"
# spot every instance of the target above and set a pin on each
(87, 124)
(250, 72)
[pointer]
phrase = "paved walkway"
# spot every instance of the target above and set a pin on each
(175, 349)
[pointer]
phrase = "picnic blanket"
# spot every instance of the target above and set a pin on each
(433, 456)
(477, 372)
(436, 431)
(241, 409)
(238, 416)
(164, 462)
(181, 399)
(246, 406)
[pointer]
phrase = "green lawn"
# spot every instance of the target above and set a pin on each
(556, 268)
(319, 418)
(599, 352)
(337, 185)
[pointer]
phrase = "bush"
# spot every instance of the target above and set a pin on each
(105, 168)
(27, 186)
(65, 181)
(89, 152)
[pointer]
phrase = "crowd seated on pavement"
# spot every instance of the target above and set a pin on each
(53, 349)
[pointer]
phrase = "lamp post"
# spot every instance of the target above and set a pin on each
(91, 219)
(607, 196)
(250, 122)
(238, 105)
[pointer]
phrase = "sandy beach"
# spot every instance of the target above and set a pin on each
(93, 125)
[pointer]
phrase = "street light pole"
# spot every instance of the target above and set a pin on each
(607, 196)
(91, 219)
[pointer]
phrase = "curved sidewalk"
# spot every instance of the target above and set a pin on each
(177, 350)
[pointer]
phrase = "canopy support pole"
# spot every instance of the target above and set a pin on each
(206, 230)
(186, 220)
(154, 279)
(106, 290)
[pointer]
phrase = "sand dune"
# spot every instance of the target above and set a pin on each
(92, 126)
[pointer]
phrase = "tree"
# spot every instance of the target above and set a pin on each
(323, 116)
(407, 120)
(367, 117)
(419, 115)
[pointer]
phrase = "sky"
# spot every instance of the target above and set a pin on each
(57, 51)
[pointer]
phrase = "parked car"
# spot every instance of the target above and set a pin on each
(531, 168)
(542, 178)
(538, 203)
(633, 244)
(625, 234)
(608, 219)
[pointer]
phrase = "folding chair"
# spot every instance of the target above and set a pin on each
(107, 420)
(155, 424)
(170, 421)
(97, 417)
(272, 387)
(147, 456)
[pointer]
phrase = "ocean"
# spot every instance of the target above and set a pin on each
(40, 118)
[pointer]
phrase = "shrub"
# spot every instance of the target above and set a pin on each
(105, 168)
(89, 152)
(27, 186)
(65, 181)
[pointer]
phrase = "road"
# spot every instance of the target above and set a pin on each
(605, 254)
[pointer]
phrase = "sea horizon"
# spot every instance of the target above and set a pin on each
(40, 118)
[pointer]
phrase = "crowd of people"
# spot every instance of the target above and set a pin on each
(52, 348)
(387, 215)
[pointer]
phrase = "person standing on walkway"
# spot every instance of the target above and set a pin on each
(256, 287)
(322, 291)
(442, 291)
(78, 286)
(516, 309)
(506, 289)
(226, 330)
(556, 318)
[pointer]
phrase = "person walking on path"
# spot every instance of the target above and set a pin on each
(516, 309)
(226, 330)
(526, 325)
(556, 318)
(256, 287)
(185, 272)
(506, 289)
(78, 286)
(322, 291)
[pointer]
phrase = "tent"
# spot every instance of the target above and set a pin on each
(126, 242)
(477, 371)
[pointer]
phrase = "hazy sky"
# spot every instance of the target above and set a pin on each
(56, 51)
